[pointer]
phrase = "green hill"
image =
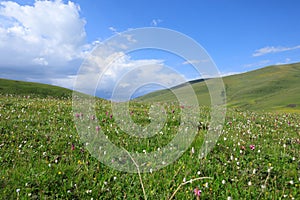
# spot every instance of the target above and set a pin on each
(22, 88)
(273, 88)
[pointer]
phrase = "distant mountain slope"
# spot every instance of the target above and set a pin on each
(23, 88)
(270, 89)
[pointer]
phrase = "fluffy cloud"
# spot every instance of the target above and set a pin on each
(123, 75)
(267, 50)
(48, 33)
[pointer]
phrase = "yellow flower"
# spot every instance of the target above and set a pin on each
(59, 172)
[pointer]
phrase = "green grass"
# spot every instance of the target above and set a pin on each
(273, 88)
(23, 88)
(37, 160)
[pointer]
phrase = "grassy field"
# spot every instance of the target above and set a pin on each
(42, 157)
(22, 88)
(273, 88)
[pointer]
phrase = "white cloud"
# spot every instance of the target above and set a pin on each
(261, 63)
(155, 22)
(271, 49)
(48, 33)
(193, 62)
(107, 71)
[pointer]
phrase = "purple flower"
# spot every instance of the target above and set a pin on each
(252, 146)
(97, 128)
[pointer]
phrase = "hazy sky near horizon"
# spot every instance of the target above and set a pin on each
(46, 41)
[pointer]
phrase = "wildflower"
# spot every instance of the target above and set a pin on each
(269, 169)
(59, 172)
(252, 146)
(229, 198)
(249, 183)
(223, 182)
(97, 128)
(197, 192)
(18, 190)
(72, 147)
(88, 191)
(193, 150)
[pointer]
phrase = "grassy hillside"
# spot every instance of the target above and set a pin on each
(270, 88)
(22, 88)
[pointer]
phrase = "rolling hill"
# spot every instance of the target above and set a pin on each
(273, 88)
(22, 88)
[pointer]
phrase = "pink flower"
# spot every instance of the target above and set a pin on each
(197, 192)
(72, 147)
(93, 117)
(252, 146)
(97, 128)
(243, 147)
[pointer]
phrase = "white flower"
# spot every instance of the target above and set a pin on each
(249, 183)
(223, 182)
(269, 169)
(206, 184)
(198, 172)
(193, 150)
(115, 178)
(291, 182)
(18, 190)
(229, 198)
(184, 179)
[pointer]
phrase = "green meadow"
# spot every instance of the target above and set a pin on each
(256, 156)
(273, 88)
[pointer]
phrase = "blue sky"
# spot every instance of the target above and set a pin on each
(46, 41)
